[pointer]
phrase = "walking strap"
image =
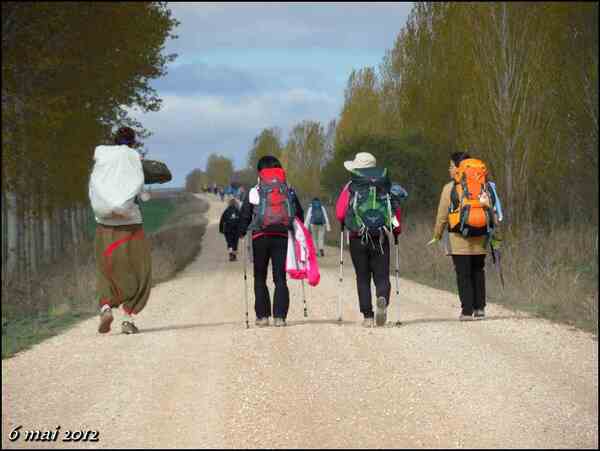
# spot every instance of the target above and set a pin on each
(367, 240)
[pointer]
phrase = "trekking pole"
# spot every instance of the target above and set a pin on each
(304, 297)
(245, 257)
(398, 322)
(341, 279)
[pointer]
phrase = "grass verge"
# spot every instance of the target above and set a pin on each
(550, 272)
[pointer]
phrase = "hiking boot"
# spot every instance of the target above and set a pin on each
(262, 322)
(381, 311)
(479, 313)
(127, 327)
(279, 322)
(368, 322)
(463, 317)
(106, 318)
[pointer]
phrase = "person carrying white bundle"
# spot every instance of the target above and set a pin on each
(123, 260)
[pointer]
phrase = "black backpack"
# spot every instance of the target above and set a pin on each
(317, 217)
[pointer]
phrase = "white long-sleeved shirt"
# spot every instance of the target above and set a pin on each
(309, 214)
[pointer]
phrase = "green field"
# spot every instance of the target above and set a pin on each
(154, 212)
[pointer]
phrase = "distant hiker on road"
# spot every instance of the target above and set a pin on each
(268, 211)
(123, 260)
(368, 210)
(317, 222)
(229, 225)
(470, 209)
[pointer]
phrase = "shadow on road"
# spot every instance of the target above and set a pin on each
(329, 321)
(318, 321)
(188, 326)
(455, 320)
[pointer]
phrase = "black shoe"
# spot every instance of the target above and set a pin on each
(233, 257)
(381, 311)
(322, 253)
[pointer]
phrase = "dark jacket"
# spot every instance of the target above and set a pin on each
(247, 214)
(230, 221)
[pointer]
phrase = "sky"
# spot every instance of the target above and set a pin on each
(243, 67)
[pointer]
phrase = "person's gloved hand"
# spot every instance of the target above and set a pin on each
(433, 240)
(496, 243)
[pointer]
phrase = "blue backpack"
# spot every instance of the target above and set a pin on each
(317, 217)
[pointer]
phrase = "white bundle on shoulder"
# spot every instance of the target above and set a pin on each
(116, 179)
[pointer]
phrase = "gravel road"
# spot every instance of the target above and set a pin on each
(196, 377)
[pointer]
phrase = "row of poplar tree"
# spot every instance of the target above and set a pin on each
(70, 72)
(307, 148)
(515, 84)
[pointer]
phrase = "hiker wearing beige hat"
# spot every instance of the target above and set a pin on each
(362, 160)
(367, 208)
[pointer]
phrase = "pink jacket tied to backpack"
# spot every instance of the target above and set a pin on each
(301, 261)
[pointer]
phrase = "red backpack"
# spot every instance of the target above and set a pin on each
(275, 207)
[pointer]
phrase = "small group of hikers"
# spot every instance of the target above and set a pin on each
(368, 207)
(317, 222)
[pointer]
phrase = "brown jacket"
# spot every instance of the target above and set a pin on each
(457, 244)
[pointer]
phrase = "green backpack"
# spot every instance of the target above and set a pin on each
(370, 208)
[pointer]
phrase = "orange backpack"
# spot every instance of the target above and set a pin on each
(468, 215)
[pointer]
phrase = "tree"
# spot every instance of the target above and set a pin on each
(268, 142)
(66, 84)
(196, 180)
(219, 169)
(361, 114)
(304, 157)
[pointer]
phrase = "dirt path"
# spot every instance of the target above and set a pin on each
(196, 377)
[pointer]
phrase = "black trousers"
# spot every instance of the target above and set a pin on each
(369, 262)
(470, 277)
(232, 239)
(272, 248)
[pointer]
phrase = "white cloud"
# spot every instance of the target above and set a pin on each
(209, 26)
(188, 128)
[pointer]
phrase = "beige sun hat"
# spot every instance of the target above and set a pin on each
(362, 160)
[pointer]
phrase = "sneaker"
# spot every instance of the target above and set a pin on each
(262, 322)
(233, 257)
(322, 253)
(279, 322)
(465, 317)
(381, 311)
(479, 313)
(368, 322)
(127, 327)
(106, 318)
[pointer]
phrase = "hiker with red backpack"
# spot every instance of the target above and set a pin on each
(369, 210)
(470, 209)
(268, 212)
(317, 222)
